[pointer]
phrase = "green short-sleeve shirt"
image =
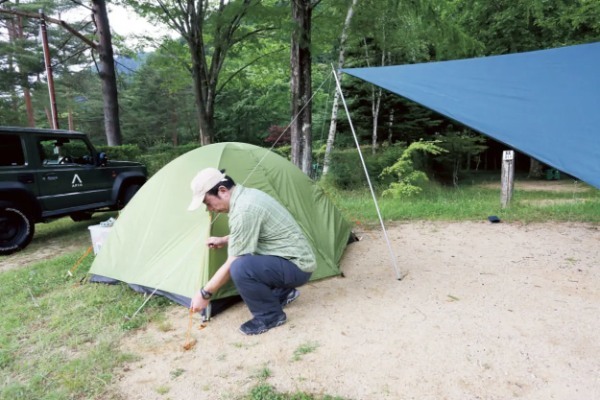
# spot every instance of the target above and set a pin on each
(258, 224)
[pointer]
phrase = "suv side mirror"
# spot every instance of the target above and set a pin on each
(102, 159)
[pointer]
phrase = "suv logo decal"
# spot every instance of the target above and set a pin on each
(76, 182)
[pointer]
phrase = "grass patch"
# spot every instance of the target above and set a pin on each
(264, 391)
(60, 338)
(473, 203)
(304, 349)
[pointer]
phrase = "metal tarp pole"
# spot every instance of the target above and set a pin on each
(399, 275)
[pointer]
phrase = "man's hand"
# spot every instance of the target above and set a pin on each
(199, 303)
(214, 242)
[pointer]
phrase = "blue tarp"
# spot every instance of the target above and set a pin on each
(543, 103)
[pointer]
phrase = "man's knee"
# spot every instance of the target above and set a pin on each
(237, 269)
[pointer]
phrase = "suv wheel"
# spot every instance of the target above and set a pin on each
(130, 191)
(16, 228)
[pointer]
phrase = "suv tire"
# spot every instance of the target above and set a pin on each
(16, 228)
(130, 191)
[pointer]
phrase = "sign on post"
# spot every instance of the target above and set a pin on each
(508, 174)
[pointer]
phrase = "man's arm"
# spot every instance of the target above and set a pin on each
(220, 278)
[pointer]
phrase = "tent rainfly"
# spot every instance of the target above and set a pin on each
(156, 245)
(544, 103)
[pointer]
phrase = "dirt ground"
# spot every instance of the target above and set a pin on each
(487, 311)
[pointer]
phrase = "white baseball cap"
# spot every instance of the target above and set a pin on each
(204, 180)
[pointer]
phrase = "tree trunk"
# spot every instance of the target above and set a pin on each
(199, 72)
(375, 107)
(535, 169)
(15, 31)
(187, 17)
(391, 127)
(174, 123)
(300, 84)
(375, 99)
(70, 121)
(204, 120)
(29, 107)
(336, 97)
(107, 74)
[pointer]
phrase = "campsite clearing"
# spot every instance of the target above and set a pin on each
(490, 311)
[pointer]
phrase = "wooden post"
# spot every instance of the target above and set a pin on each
(508, 174)
(49, 76)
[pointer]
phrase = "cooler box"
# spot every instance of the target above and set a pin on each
(99, 235)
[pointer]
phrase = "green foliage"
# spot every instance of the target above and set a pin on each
(154, 158)
(22, 62)
(264, 391)
(170, 116)
(460, 148)
(125, 152)
(409, 179)
(522, 25)
(158, 156)
(284, 151)
(252, 93)
(346, 170)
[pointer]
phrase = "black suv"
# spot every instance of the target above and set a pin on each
(46, 174)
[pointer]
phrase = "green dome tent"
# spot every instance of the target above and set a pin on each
(156, 245)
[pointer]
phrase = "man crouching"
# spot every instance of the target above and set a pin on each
(268, 254)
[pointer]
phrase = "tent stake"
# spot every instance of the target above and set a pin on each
(399, 275)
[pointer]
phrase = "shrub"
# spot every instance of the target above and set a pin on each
(346, 170)
(158, 156)
(125, 152)
(409, 180)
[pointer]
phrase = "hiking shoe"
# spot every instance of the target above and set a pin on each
(292, 295)
(257, 326)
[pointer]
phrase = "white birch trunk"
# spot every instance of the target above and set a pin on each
(336, 97)
(375, 112)
(375, 107)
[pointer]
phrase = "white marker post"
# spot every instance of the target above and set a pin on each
(508, 174)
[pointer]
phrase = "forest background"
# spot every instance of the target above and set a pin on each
(261, 72)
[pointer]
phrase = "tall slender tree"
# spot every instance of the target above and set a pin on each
(106, 70)
(210, 30)
(336, 96)
(301, 83)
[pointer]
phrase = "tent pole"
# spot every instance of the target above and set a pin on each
(399, 275)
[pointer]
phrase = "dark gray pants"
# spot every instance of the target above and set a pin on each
(264, 282)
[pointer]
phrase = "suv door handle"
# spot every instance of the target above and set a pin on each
(26, 178)
(50, 177)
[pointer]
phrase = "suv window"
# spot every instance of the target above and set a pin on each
(65, 151)
(11, 151)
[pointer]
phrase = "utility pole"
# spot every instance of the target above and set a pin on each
(50, 78)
